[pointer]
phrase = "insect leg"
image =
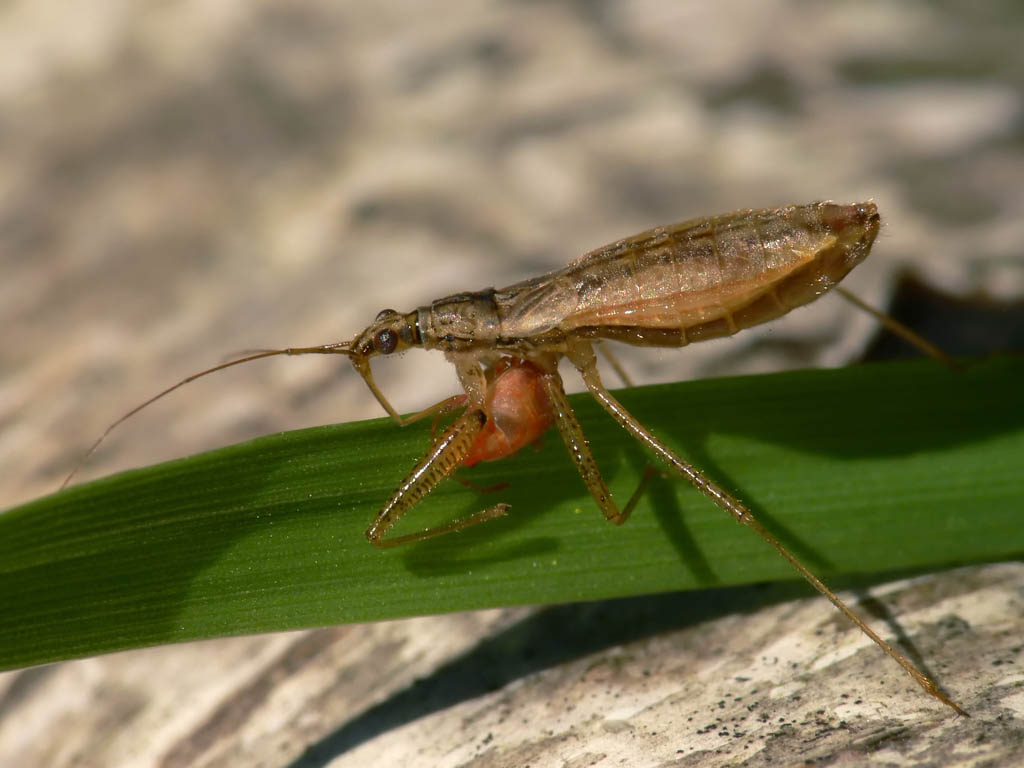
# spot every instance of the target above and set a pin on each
(579, 449)
(440, 461)
(904, 332)
(605, 349)
(437, 410)
(362, 367)
(582, 356)
(445, 406)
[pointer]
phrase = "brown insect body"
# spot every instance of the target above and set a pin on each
(698, 280)
(669, 286)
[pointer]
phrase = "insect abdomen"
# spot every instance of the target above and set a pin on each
(713, 277)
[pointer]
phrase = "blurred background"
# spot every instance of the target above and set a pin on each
(182, 181)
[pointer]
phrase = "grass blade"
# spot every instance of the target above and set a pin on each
(863, 469)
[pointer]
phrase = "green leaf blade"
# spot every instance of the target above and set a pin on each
(865, 469)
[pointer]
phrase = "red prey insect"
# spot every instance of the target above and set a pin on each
(669, 286)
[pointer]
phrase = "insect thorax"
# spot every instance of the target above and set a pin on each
(460, 323)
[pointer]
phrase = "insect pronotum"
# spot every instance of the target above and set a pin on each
(666, 287)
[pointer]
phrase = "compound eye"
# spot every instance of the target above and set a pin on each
(385, 313)
(385, 342)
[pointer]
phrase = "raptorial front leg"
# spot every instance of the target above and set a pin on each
(363, 369)
(579, 449)
(437, 410)
(582, 356)
(444, 457)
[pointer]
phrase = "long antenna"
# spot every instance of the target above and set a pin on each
(338, 348)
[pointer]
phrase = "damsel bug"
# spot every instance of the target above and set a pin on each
(666, 287)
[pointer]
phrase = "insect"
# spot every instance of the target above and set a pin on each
(667, 287)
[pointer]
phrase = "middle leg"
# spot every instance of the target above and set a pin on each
(582, 356)
(579, 450)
